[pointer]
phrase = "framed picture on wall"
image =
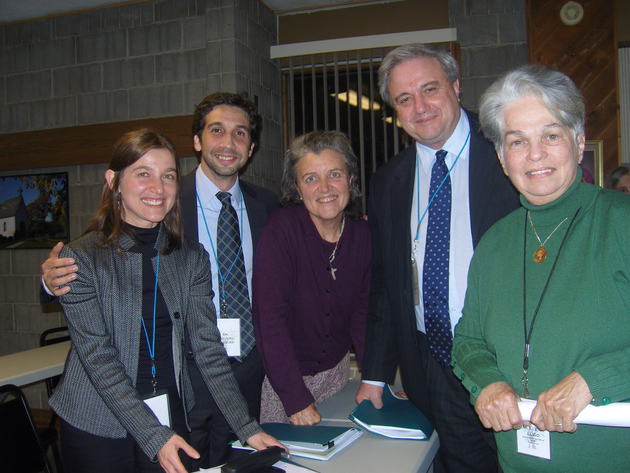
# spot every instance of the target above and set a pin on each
(592, 163)
(34, 210)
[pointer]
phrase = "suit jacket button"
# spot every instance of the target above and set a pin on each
(176, 315)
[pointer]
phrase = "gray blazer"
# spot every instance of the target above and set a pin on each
(103, 310)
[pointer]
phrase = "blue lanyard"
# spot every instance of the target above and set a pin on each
(437, 191)
(223, 278)
(151, 345)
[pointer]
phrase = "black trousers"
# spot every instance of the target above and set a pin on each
(210, 433)
(82, 452)
(465, 445)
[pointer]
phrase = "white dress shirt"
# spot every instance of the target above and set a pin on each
(211, 207)
(461, 245)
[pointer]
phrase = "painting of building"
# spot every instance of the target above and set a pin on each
(15, 221)
(33, 210)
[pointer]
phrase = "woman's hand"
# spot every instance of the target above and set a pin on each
(307, 416)
(497, 407)
(168, 455)
(263, 440)
(557, 407)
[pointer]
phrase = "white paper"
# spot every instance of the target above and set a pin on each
(159, 405)
(292, 467)
(533, 442)
(616, 414)
(230, 335)
(287, 467)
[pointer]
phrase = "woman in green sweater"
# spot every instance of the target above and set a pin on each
(547, 312)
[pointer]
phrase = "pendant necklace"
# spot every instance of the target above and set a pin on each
(540, 254)
(527, 332)
(332, 256)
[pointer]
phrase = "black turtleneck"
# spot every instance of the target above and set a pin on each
(145, 239)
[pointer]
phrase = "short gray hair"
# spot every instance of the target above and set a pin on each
(556, 90)
(408, 52)
(316, 142)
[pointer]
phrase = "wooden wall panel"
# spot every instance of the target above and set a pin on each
(89, 144)
(586, 52)
(375, 18)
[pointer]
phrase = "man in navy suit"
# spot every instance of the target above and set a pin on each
(226, 129)
(422, 85)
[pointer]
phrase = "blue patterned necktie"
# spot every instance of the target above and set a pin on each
(233, 291)
(436, 262)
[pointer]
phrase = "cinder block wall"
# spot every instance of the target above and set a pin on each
(492, 35)
(151, 59)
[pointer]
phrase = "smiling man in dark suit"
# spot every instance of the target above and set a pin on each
(225, 132)
(226, 128)
(428, 208)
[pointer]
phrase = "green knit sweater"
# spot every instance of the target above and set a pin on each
(583, 324)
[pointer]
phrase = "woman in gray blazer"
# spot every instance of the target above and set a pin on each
(141, 299)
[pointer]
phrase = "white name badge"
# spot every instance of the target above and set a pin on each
(159, 405)
(533, 442)
(230, 335)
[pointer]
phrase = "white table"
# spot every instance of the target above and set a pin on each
(370, 453)
(30, 366)
(374, 454)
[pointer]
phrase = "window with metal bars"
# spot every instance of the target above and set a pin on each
(339, 91)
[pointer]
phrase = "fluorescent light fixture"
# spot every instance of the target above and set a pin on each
(390, 119)
(440, 35)
(352, 98)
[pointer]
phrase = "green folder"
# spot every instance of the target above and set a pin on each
(319, 442)
(397, 419)
(313, 437)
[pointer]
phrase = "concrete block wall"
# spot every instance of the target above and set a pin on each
(152, 59)
(131, 62)
(492, 35)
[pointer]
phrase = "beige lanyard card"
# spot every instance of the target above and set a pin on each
(533, 442)
(159, 405)
(230, 335)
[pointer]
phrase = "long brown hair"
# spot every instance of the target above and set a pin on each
(108, 219)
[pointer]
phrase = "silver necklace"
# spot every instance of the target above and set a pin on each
(540, 254)
(332, 256)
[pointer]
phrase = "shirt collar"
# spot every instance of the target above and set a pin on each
(207, 191)
(453, 145)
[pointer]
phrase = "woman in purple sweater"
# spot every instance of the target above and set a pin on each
(311, 280)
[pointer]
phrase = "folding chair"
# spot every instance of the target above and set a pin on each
(20, 444)
(49, 434)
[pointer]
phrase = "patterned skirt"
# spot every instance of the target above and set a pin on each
(322, 385)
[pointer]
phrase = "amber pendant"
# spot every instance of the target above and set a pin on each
(540, 255)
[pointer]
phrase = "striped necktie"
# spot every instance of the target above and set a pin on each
(233, 292)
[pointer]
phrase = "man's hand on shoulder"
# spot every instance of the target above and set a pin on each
(58, 272)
